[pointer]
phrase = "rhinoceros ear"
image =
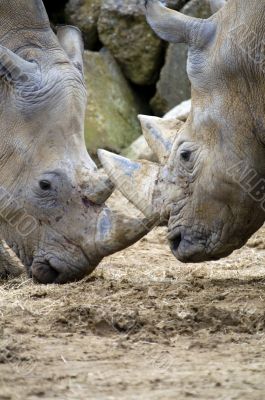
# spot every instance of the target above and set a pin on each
(175, 27)
(72, 42)
(15, 69)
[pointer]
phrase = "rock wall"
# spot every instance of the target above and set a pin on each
(112, 108)
(173, 86)
(138, 72)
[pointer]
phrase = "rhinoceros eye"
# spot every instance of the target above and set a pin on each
(45, 185)
(185, 155)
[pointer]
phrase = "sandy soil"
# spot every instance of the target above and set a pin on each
(143, 326)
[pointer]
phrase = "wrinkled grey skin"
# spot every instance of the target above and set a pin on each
(46, 172)
(210, 214)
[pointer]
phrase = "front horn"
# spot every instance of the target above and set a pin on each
(116, 232)
(134, 179)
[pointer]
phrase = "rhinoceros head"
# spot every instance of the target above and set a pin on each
(52, 196)
(211, 187)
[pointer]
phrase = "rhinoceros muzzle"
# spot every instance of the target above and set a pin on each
(113, 232)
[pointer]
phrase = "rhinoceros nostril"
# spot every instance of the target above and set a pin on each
(43, 272)
(174, 243)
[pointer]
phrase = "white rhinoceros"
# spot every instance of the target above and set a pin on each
(52, 211)
(211, 184)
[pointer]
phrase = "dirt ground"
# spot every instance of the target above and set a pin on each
(143, 326)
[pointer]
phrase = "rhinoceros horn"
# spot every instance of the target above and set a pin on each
(160, 134)
(113, 231)
(10, 265)
(116, 231)
(135, 180)
(141, 182)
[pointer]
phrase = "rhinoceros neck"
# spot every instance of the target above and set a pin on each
(242, 39)
(24, 22)
(248, 13)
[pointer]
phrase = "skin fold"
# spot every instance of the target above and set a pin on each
(210, 187)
